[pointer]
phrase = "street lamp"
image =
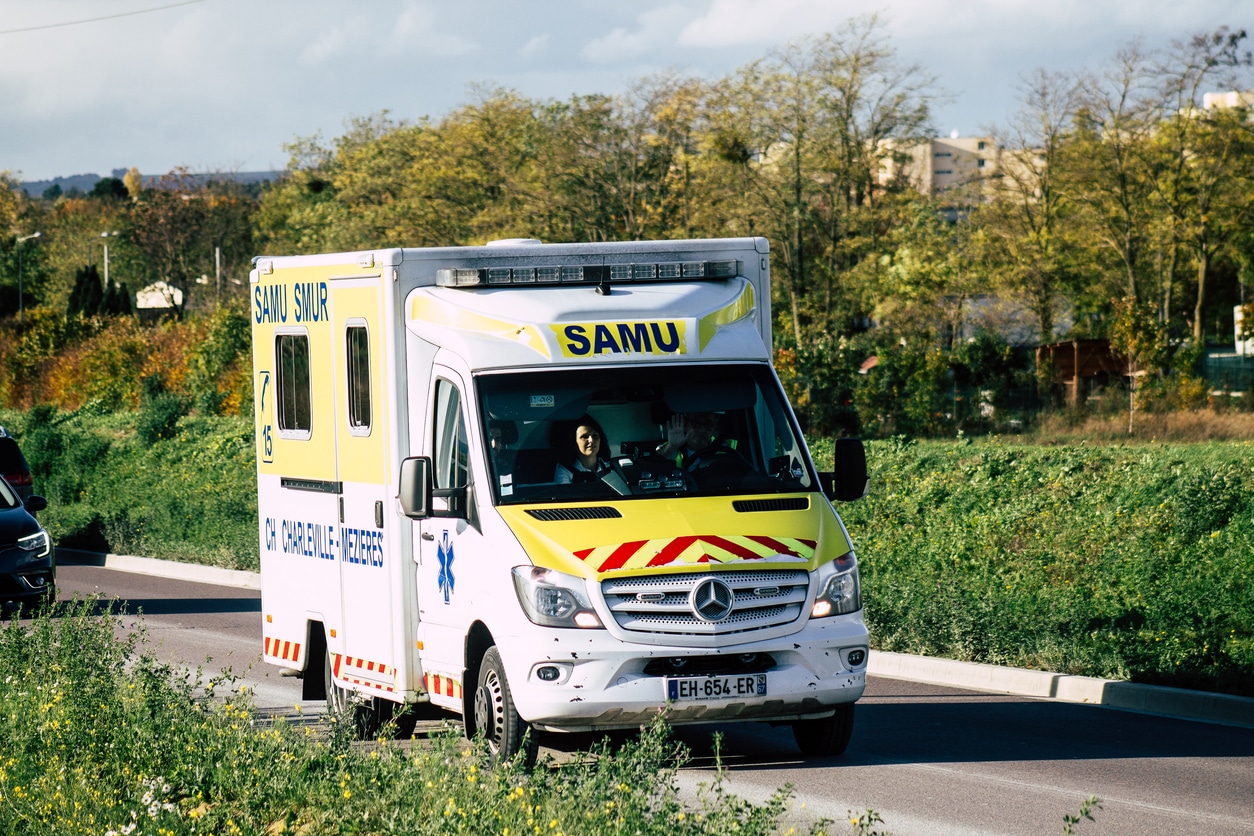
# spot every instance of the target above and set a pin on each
(106, 236)
(20, 239)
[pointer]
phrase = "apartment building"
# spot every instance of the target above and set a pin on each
(1228, 98)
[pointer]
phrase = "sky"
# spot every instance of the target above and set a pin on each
(222, 85)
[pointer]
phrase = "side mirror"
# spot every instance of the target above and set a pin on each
(849, 481)
(35, 503)
(417, 491)
(415, 487)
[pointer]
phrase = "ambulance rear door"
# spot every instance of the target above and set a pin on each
(370, 647)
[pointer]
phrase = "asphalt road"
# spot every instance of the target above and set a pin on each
(929, 760)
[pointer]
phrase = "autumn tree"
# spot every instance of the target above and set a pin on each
(1108, 174)
(178, 222)
(1032, 248)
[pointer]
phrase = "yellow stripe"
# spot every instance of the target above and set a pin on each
(440, 312)
(737, 310)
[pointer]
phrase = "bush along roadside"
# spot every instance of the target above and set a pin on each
(152, 482)
(101, 738)
(1124, 562)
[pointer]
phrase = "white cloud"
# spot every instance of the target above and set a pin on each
(334, 41)
(742, 22)
(657, 28)
(416, 30)
(535, 46)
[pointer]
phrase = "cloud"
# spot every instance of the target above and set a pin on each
(656, 29)
(334, 41)
(742, 22)
(535, 46)
(416, 29)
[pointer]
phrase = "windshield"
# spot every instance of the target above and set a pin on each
(639, 432)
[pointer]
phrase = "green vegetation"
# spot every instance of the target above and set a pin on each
(146, 483)
(1126, 562)
(1122, 561)
(102, 739)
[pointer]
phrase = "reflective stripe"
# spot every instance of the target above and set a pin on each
(442, 685)
(355, 670)
(280, 649)
(694, 549)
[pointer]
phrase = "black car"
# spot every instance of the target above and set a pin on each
(13, 465)
(28, 571)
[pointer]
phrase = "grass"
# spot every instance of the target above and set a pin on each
(102, 739)
(1120, 561)
(1187, 426)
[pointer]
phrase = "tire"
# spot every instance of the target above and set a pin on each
(496, 717)
(826, 737)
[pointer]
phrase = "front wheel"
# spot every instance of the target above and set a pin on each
(495, 715)
(827, 736)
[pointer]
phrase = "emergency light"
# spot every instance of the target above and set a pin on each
(588, 274)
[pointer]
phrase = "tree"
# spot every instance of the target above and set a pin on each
(1108, 175)
(109, 188)
(134, 182)
(1028, 221)
(178, 222)
(1141, 338)
(804, 134)
(87, 296)
(1202, 171)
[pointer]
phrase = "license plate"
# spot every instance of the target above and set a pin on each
(715, 687)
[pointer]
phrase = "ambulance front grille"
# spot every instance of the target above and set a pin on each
(661, 603)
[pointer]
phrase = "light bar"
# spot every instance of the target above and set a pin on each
(589, 274)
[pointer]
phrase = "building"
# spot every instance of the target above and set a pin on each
(961, 167)
(1229, 98)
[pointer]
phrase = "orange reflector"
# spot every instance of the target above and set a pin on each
(332, 632)
(269, 619)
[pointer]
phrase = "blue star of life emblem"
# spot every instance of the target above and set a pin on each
(445, 555)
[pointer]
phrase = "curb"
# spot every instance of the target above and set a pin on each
(1178, 703)
(162, 568)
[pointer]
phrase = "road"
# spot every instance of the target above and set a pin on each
(930, 760)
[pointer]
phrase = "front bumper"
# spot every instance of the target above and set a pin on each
(603, 683)
(26, 580)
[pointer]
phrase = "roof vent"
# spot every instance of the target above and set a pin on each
(514, 242)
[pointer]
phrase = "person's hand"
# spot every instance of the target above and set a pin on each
(676, 434)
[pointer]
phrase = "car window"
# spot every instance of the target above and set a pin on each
(8, 497)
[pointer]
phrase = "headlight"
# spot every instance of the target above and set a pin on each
(554, 599)
(841, 593)
(37, 543)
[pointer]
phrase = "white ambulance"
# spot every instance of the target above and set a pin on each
(438, 524)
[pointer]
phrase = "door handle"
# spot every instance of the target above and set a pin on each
(427, 535)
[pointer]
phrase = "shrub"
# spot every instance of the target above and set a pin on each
(1120, 562)
(100, 737)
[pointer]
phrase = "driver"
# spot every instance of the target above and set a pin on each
(691, 439)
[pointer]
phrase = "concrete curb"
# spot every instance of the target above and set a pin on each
(1179, 703)
(1127, 696)
(162, 568)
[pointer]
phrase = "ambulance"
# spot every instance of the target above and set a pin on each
(426, 537)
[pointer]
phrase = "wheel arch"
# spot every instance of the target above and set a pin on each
(478, 640)
(312, 685)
